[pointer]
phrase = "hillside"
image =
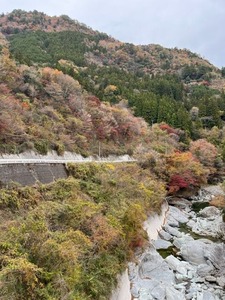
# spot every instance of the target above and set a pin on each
(159, 84)
(71, 238)
(101, 49)
(61, 64)
(45, 109)
(19, 20)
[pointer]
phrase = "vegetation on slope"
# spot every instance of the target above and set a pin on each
(44, 109)
(117, 72)
(159, 84)
(70, 239)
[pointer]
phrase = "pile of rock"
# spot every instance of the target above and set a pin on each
(197, 271)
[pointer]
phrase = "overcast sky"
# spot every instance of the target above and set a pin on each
(197, 25)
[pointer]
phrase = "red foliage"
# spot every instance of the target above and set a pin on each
(93, 101)
(167, 128)
(180, 181)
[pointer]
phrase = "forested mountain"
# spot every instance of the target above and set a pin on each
(159, 84)
(58, 71)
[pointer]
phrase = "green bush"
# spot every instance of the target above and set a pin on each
(41, 146)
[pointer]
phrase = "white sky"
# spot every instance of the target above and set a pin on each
(193, 24)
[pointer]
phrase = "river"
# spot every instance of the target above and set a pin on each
(193, 262)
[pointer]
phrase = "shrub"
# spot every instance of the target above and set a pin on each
(204, 151)
(184, 171)
(41, 146)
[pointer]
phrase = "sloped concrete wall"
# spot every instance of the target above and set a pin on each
(29, 174)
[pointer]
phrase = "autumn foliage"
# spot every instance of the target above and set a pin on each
(184, 171)
(50, 111)
(168, 128)
(204, 151)
(71, 238)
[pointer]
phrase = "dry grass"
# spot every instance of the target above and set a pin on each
(218, 201)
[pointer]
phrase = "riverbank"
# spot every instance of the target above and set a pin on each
(186, 257)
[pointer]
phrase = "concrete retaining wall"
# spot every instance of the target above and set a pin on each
(29, 174)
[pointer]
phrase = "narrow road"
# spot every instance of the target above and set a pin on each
(61, 161)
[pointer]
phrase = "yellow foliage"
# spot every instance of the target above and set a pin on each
(110, 88)
(110, 166)
(147, 191)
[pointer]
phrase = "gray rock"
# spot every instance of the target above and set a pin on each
(180, 278)
(206, 241)
(172, 231)
(145, 295)
(159, 292)
(179, 242)
(193, 252)
(154, 266)
(176, 265)
(221, 281)
(192, 291)
(201, 273)
(172, 294)
(152, 289)
(189, 296)
(180, 286)
(192, 214)
(216, 254)
(135, 290)
(213, 190)
(208, 227)
(180, 203)
(177, 214)
(222, 230)
(172, 222)
(207, 295)
(165, 235)
(190, 274)
(204, 270)
(210, 278)
(210, 211)
(191, 223)
(161, 244)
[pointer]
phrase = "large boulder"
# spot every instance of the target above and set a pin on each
(177, 215)
(153, 266)
(208, 226)
(172, 231)
(204, 270)
(194, 252)
(216, 255)
(180, 241)
(161, 244)
(165, 235)
(210, 212)
(177, 265)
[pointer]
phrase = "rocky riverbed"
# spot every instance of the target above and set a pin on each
(187, 259)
